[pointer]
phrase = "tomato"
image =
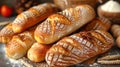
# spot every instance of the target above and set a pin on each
(6, 11)
(0, 10)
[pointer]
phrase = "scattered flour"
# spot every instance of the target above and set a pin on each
(9, 62)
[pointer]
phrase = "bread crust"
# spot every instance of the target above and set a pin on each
(18, 46)
(97, 24)
(37, 52)
(6, 33)
(33, 16)
(63, 23)
(78, 48)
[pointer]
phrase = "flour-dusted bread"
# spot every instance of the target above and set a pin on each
(6, 33)
(63, 23)
(33, 16)
(78, 48)
(19, 44)
(37, 52)
(98, 24)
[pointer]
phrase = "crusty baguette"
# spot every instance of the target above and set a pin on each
(6, 33)
(19, 44)
(78, 48)
(63, 23)
(98, 24)
(37, 52)
(32, 16)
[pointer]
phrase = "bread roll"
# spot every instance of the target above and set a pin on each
(6, 33)
(118, 41)
(37, 52)
(98, 24)
(33, 16)
(115, 29)
(78, 48)
(63, 23)
(19, 44)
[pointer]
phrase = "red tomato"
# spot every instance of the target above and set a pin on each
(0, 9)
(6, 11)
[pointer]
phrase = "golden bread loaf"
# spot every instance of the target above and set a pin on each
(98, 24)
(63, 23)
(78, 48)
(6, 33)
(19, 44)
(37, 52)
(33, 16)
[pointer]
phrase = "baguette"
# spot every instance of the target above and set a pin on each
(33, 16)
(63, 23)
(6, 33)
(98, 24)
(19, 44)
(37, 52)
(79, 47)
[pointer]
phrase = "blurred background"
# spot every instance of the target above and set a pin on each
(10, 8)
